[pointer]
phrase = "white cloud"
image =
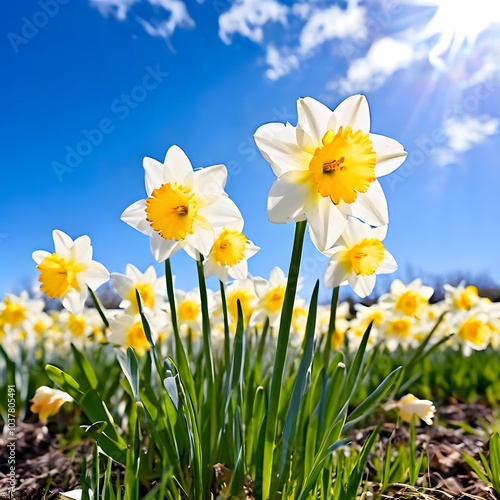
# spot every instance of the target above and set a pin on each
(279, 64)
(178, 16)
(117, 8)
(463, 135)
(247, 17)
(326, 24)
(385, 56)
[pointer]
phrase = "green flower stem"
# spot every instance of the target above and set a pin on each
(331, 326)
(98, 306)
(226, 324)
(209, 412)
(263, 488)
(182, 361)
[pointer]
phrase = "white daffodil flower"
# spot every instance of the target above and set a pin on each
(183, 206)
(411, 299)
(410, 405)
(47, 401)
(327, 168)
(230, 252)
(150, 288)
(358, 257)
(67, 272)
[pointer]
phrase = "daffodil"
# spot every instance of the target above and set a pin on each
(327, 168)
(411, 299)
(243, 291)
(47, 401)
(473, 331)
(183, 206)
(69, 271)
(228, 257)
(128, 331)
(461, 297)
(271, 296)
(357, 257)
(151, 289)
(410, 405)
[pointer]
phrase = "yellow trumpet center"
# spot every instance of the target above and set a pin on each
(273, 300)
(147, 293)
(171, 210)
(365, 257)
(188, 311)
(475, 331)
(399, 327)
(77, 324)
(136, 338)
(411, 303)
(246, 298)
(466, 298)
(229, 247)
(58, 275)
(345, 165)
(13, 314)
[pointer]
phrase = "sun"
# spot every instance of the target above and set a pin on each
(456, 23)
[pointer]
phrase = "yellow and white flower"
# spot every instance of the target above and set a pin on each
(271, 296)
(327, 168)
(410, 405)
(69, 271)
(183, 206)
(228, 257)
(127, 331)
(150, 288)
(357, 257)
(244, 291)
(47, 402)
(411, 299)
(461, 297)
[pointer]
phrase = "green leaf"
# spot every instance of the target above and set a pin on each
(290, 428)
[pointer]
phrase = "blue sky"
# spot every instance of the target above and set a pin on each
(136, 76)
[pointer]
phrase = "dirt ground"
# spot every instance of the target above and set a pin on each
(44, 469)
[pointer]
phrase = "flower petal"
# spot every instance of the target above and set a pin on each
(210, 180)
(354, 111)
(326, 221)
(82, 249)
(74, 301)
(370, 207)
(62, 244)
(177, 167)
(336, 274)
(135, 216)
(390, 154)
(287, 196)
(313, 118)
(388, 265)
(363, 285)
(239, 271)
(223, 212)
(39, 255)
(161, 248)
(153, 174)
(122, 284)
(278, 145)
(95, 275)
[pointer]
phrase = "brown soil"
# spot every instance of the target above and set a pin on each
(39, 461)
